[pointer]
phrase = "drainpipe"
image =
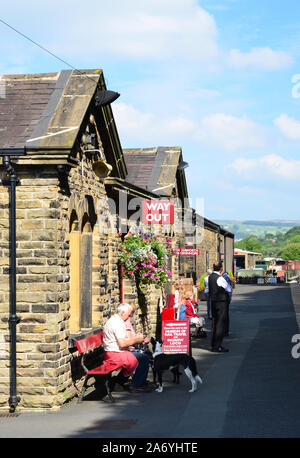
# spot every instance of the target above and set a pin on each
(13, 319)
(219, 244)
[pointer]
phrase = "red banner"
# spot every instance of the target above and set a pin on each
(188, 251)
(158, 212)
(176, 337)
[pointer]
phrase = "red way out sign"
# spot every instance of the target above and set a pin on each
(158, 212)
(176, 336)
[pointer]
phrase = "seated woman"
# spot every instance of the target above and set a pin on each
(191, 315)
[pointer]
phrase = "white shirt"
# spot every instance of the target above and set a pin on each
(206, 290)
(176, 299)
(114, 329)
(223, 283)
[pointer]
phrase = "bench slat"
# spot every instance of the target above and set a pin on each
(105, 368)
(89, 343)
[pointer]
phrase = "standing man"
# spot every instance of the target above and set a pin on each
(218, 288)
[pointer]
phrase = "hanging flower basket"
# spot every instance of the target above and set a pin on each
(144, 258)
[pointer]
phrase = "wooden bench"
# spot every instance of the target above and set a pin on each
(85, 347)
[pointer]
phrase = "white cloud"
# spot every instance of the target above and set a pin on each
(165, 31)
(134, 125)
(269, 165)
(288, 126)
(263, 58)
(218, 130)
(231, 133)
(136, 29)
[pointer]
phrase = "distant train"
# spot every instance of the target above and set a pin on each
(270, 270)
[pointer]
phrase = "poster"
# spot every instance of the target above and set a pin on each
(176, 337)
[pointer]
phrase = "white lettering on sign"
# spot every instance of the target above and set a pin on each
(158, 211)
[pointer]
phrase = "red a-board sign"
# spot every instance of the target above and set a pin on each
(176, 336)
(158, 212)
(168, 314)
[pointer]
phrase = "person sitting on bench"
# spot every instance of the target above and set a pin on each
(116, 343)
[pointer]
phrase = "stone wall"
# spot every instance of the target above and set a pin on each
(46, 203)
(42, 293)
(208, 245)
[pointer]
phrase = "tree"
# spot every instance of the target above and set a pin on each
(290, 251)
(292, 232)
(295, 239)
(249, 243)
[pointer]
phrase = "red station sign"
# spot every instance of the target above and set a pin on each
(158, 212)
(176, 336)
(188, 251)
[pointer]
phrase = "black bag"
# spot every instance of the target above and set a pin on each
(202, 296)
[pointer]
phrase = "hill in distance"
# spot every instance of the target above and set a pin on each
(259, 228)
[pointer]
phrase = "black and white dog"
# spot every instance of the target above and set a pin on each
(162, 362)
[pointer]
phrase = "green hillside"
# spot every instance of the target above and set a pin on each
(283, 245)
(243, 229)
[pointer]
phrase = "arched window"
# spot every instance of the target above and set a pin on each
(74, 246)
(86, 263)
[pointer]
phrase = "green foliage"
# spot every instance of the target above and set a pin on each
(250, 243)
(295, 239)
(274, 245)
(144, 258)
(290, 251)
(292, 233)
(202, 286)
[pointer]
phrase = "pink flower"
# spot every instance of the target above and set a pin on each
(137, 268)
(146, 275)
(130, 272)
(153, 277)
(143, 264)
(157, 278)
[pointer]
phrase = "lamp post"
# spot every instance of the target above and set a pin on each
(12, 181)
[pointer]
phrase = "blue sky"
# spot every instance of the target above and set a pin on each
(217, 77)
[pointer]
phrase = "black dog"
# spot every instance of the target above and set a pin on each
(162, 362)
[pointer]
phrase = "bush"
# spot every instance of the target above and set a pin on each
(290, 251)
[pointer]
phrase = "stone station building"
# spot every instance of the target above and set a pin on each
(68, 274)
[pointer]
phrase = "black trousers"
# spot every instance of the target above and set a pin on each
(227, 318)
(219, 323)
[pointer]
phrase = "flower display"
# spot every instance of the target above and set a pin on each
(145, 258)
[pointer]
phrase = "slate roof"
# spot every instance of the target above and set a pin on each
(26, 97)
(45, 112)
(155, 169)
